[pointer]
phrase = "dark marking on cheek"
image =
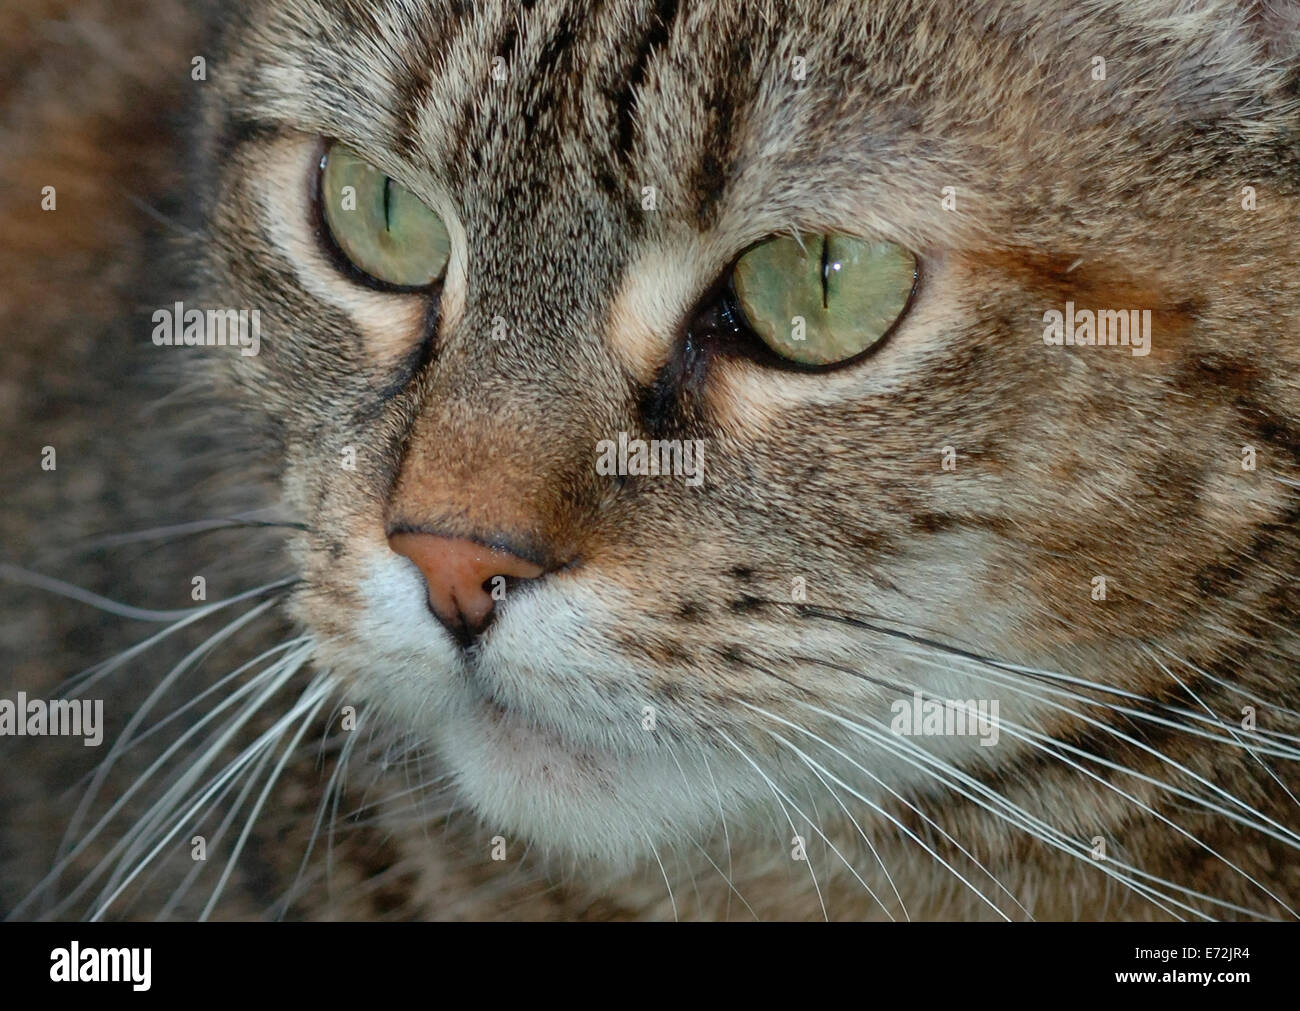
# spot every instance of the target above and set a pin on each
(733, 654)
(556, 52)
(690, 610)
(238, 131)
(1214, 580)
(670, 691)
(1094, 285)
(506, 48)
(616, 191)
(1218, 370)
(812, 473)
(741, 572)
(664, 652)
(1270, 427)
(746, 604)
(933, 523)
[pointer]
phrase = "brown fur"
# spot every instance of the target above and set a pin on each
(1072, 463)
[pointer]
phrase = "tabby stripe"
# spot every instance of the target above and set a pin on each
(237, 130)
(427, 64)
(557, 48)
(728, 98)
(661, 27)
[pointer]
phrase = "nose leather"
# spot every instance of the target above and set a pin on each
(455, 571)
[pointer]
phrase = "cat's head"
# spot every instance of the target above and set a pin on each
(598, 195)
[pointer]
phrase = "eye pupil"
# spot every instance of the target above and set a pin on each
(826, 295)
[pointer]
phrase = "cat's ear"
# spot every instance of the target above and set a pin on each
(1276, 24)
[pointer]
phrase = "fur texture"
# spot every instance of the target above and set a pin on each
(1121, 717)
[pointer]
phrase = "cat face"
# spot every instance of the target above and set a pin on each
(965, 504)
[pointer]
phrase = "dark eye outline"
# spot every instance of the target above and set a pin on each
(342, 262)
(724, 319)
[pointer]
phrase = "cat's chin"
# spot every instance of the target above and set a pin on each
(529, 784)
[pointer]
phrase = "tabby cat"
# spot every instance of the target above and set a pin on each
(641, 459)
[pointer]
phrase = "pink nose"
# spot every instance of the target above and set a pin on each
(458, 574)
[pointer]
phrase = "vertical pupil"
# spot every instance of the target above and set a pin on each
(388, 199)
(825, 272)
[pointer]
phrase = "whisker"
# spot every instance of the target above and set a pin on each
(1253, 752)
(61, 863)
(176, 531)
(138, 717)
(269, 681)
(1036, 740)
(25, 577)
(1264, 827)
(777, 793)
(311, 698)
(726, 835)
(731, 885)
(322, 688)
(960, 654)
(1015, 815)
(881, 811)
(220, 834)
(78, 684)
(667, 883)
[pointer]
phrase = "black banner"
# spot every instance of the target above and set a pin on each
(926, 962)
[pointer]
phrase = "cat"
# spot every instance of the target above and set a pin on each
(958, 621)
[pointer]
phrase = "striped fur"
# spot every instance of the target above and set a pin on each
(1071, 463)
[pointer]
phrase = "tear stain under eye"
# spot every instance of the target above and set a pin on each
(675, 398)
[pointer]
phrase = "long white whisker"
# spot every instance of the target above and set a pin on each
(323, 692)
(1035, 739)
(1015, 815)
(25, 577)
(80, 683)
(667, 883)
(159, 762)
(269, 682)
(138, 717)
(1253, 752)
(777, 793)
(726, 834)
(310, 698)
(1283, 834)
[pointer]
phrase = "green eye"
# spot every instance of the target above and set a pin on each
(826, 300)
(380, 225)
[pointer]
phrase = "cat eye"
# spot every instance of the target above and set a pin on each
(381, 227)
(821, 301)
